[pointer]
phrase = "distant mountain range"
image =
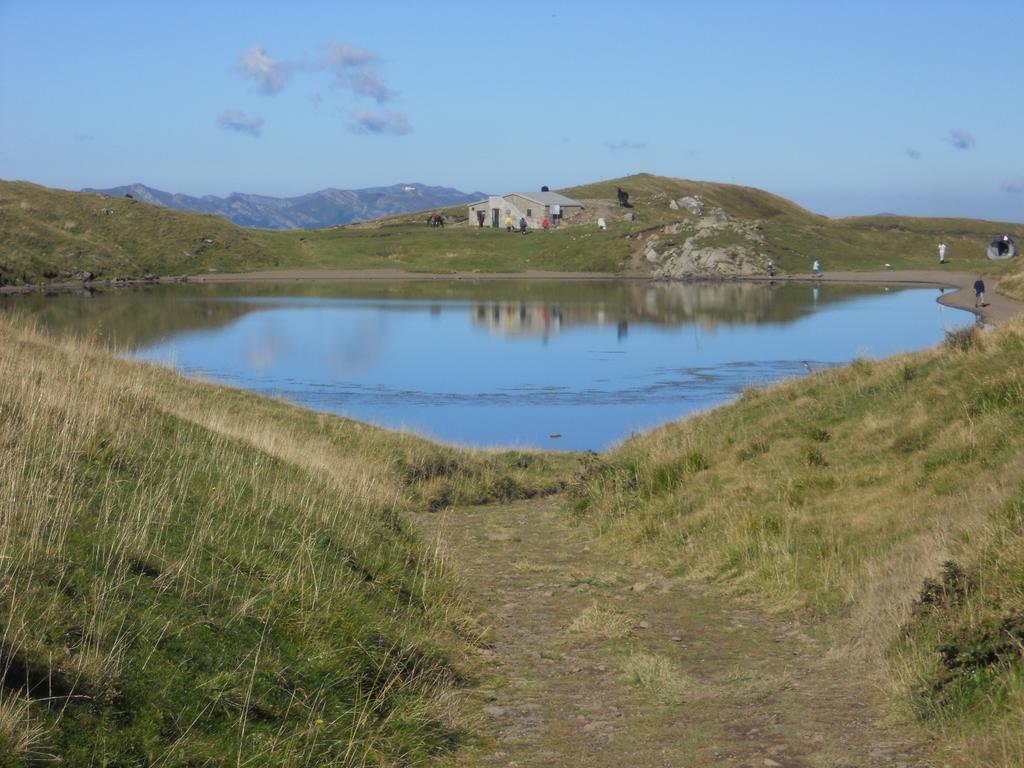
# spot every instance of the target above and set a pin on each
(326, 208)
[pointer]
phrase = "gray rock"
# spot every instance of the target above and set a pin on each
(492, 710)
(694, 205)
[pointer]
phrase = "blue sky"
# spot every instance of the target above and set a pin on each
(847, 108)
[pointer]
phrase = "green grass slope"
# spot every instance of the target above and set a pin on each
(882, 498)
(50, 234)
(415, 247)
(191, 575)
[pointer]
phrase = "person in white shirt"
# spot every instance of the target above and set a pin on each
(942, 253)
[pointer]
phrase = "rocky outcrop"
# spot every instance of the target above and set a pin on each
(716, 245)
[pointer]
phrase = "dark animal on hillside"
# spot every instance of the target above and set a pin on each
(623, 198)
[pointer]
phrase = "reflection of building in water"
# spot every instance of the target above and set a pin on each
(706, 305)
(518, 319)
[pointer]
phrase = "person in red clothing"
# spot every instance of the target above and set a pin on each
(545, 225)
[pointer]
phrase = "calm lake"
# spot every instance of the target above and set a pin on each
(503, 363)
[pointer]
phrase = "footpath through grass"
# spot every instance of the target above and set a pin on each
(191, 575)
(883, 498)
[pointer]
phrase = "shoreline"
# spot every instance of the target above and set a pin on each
(997, 308)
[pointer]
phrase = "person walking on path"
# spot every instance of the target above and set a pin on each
(942, 253)
(979, 292)
(522, 225)
(816, 267)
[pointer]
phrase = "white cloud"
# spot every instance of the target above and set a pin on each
(355, 69)
(269, 73)
(238, 121)
(615, 146)
(961, 139)
(382, 121)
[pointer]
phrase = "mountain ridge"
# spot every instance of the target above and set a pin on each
(327, 207)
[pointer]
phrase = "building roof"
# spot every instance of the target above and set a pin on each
(548, 198)
(543, 198)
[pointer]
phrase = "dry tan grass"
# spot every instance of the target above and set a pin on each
(600, 622)
(658, 677)
(120, 453)
(21, 735)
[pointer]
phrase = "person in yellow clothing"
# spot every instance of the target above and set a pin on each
(508, 223)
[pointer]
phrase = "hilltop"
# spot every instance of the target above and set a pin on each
(675, 228)
(50, 234)
(325, 208)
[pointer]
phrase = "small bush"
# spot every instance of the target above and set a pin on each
(911, 442)
(819, 435)
(507, 488)
(813, 457)
(949, 591)
(428, 466)
(442, 498)
(757, 447)
(972, 660)
(962, 339)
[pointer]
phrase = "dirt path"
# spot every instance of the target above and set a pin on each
(996, 309)
(594, 663)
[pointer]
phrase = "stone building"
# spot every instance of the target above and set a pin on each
(532, 206)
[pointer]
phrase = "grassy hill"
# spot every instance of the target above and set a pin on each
(884, 500)
(191, 575)
(49, 234)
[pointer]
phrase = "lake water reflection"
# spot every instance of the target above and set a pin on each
(504, 363)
